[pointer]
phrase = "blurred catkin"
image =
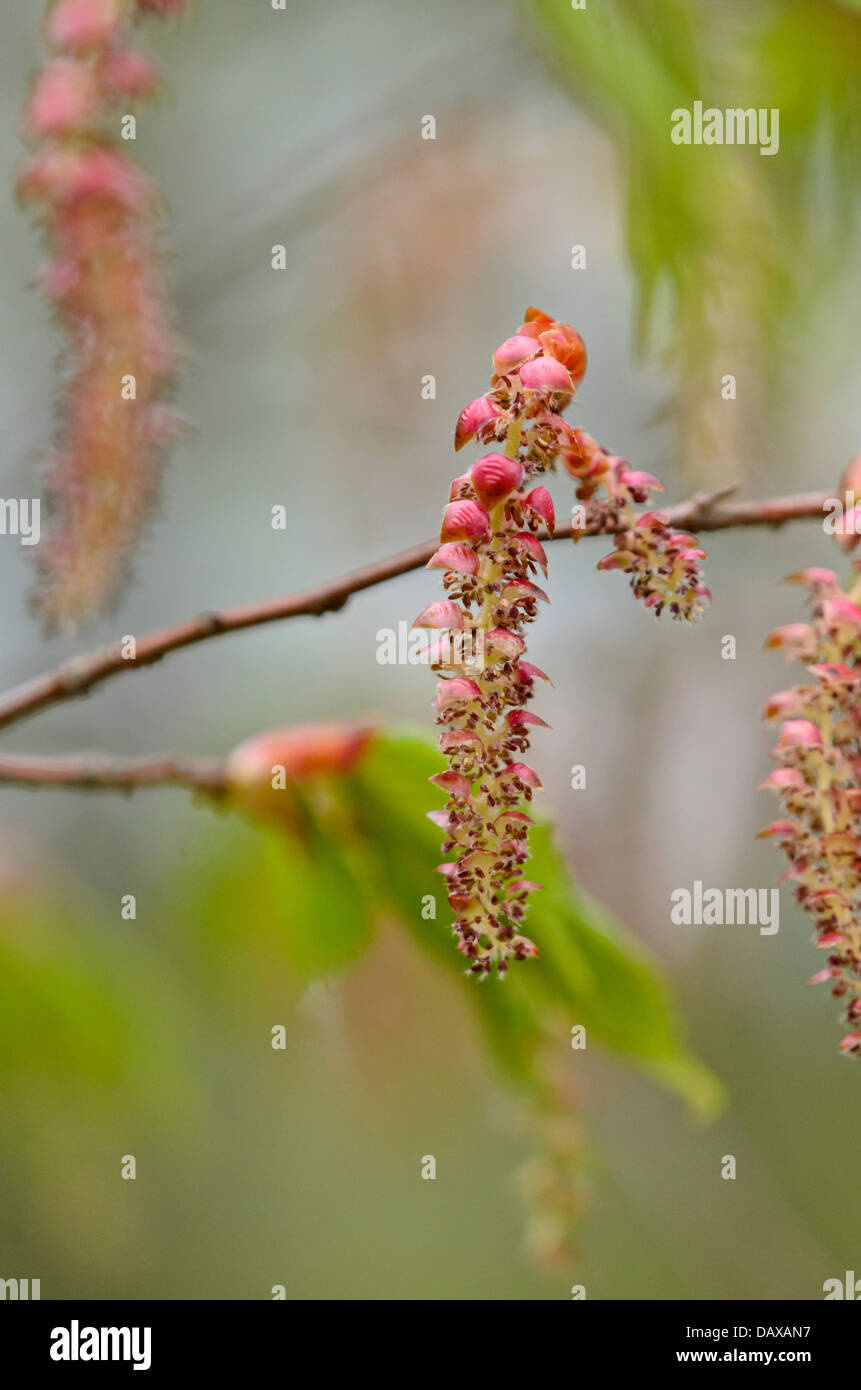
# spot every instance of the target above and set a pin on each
(104, 281)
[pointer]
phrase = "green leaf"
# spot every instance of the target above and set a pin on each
(591, 970)
(58, 1013)
(323, 901)
(299, 890)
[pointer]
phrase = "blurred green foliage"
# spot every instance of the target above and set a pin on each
(104, 1028)
(632, 65)
(153, 1036)
(590, 970)
(731, 250)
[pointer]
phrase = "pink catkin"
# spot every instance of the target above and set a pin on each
(489, 554)
(818, 780)
(104, 281)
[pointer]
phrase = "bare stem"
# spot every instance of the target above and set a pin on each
(703, 512)
(93, 771)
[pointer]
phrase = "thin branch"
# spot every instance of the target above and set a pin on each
(85, 772)
(704, 512)
(707, 512)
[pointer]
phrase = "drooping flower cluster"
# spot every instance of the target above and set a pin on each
(664, 564)
(489, 554)
(104, 282)
(819, 781)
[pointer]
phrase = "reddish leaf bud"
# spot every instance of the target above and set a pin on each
(780, 830)
(617, 560)
(841, 612)
(565, 344)
(786, 704)
(455, 692)
(533, 672)
(815, 578)
(458, 739)
(520, 718)
(798, 640)
(540, 502)
(834, 673)
(640, 484)
(523, 588)
(464, 521)
(533, 548)
(443, 613)
(65, 98)
(546, 374)
(510, 355)
(477, 416)
(85, 25)
(460, 487)
(510, 644)
(303, 750)
(129, 72)
(453, 783)
(522, 773)
(535, 323)
(512, 819)
(494, 478)
(523, 947)
(800, 733)
(454, 556)
(783, 777)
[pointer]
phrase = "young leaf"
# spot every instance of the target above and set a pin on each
(591, 970)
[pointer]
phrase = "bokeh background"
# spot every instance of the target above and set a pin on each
(407, 257)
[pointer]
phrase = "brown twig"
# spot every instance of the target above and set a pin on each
(704, 512)
(85, 772)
